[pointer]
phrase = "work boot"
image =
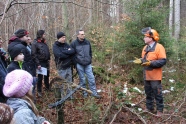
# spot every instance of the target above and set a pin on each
(149, 110)
(159, 113)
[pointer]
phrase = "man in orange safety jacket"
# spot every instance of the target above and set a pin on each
(153, 59)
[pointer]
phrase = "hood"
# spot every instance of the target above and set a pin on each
(12, 39)
(17, 104)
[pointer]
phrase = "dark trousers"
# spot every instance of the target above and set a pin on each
(153, 90)
(46, 78)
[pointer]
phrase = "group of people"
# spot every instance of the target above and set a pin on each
(18, 79)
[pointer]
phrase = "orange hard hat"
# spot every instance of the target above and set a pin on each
(150, 33)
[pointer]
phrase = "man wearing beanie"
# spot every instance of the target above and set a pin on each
(41, 55)
(18, 89)
(19, 38)
(63, 54)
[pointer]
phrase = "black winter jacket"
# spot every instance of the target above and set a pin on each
(17, 65)
(40, 52)
(63, 56)
(29, 62)
(3, 73)
(83, 52)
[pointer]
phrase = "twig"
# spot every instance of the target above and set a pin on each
(139, 102)
(175, 111)
(175, 116)
(116, 115)
(131, 110)
(147, 112)
(110, 105)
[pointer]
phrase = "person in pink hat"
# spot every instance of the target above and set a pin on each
(18, 89)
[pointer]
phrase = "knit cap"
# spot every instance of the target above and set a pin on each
(60, 34)
(16, 50)
(21, 33)
(17, 83)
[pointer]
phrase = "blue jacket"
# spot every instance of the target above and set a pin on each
(23, 113)
(83, 52)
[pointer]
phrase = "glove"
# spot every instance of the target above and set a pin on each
(147, 63)
(137, 61)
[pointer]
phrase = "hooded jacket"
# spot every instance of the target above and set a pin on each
(83, 52)
(63, 56)
(23, 113)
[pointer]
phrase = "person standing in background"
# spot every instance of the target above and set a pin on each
(3, 71)
(41, 54)
(20, 37)
(3, 53)
(83, 58)
(63, 54)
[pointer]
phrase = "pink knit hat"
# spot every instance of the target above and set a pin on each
(17, 83)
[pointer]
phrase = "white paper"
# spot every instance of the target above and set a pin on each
(42, 71)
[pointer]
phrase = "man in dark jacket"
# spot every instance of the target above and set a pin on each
(83, 58)
(19, 38)
(3, 70)
(63, 57)
(41, 54)
(3, 73)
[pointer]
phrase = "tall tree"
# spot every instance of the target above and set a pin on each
(177, 18)
(171, 16)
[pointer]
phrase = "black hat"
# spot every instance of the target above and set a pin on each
(40, 33)
(21, 33)
(16, 50)
(60, 34)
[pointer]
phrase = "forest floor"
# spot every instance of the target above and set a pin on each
(109, 109)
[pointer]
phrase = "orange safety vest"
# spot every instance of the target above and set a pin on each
(157, 52)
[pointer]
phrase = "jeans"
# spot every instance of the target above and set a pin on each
(87, 69)
(153, 90)
(66, 74)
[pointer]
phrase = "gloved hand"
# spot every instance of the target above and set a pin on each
(137, 61)
(147, 63)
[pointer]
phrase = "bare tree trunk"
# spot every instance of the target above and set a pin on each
(171, 16)
(65, 19)
(177, 18)
(89, 11)
(117, 11)
(74, 18)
